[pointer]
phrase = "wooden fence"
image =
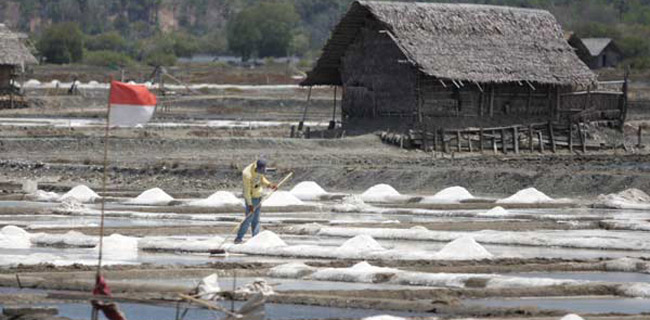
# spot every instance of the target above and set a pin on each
(539, 137)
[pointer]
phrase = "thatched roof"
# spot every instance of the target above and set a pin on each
(12, 49)
(595, 46)
(475, 43)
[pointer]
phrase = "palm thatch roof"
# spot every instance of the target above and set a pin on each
(12, 49)
(468, 42)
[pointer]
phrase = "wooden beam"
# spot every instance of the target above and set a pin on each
(481, 139)
(551, 135)
(530, 138)
(504, 146)
(515, 139)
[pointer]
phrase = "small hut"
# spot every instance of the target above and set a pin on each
(597, 53)
(448, 65)
(14, 57)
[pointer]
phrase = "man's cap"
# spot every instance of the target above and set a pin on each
(261, 165)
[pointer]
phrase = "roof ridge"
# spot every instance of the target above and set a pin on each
(452, 5)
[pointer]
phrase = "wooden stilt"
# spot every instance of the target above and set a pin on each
(551, 135)
(504, 145)
(458, 142)
(530, 139)
(481, 140)
(540, 136)
(571, 137)
(515, 139)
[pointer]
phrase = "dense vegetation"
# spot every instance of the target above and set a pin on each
(158, 31)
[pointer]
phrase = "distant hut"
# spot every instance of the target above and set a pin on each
(447, 65)
(14, 57)
(597, 53)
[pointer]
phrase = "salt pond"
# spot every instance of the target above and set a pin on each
(273, 311)
(574, 304)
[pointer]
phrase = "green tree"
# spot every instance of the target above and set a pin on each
(265, 29)
(112, 41)
(61, 43)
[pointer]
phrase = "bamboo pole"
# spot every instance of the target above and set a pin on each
(551, 135)
(481, 139)
(304, 113)
(515, 139)
(504, 146)
(530, 139)
(104, 177)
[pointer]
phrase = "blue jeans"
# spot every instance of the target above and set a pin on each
(251, 219)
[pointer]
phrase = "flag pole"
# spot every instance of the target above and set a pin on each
(105, 177)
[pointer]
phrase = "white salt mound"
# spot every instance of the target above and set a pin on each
(530, 195)
(155, 196)
(384, 317)
(119, 247)
(449, 195)
(12, 237)
(495, 212)
(351, 203)
(32, 83)
(265, 239)
(282, 199)
(380, 193)
(637, 290)
(71, 204)
(361, 243)
(572, 317)
(291, 270)
(81, 193)
(218, 199)
(627, 199)
(308, 190)
(41, 195)
(464, 248)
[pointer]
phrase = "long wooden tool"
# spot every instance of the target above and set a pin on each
(218, 250)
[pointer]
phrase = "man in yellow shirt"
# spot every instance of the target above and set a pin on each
(254, 182)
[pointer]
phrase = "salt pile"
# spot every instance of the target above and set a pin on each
(282, 199)
(12, 237)
(32, 83)
(155, 196)
(69, 239)
(572, 317)
(264, 240)
(218, 199)
(41, 195)
(71, 204)
(464, 248)
(208, 288)
(360, 272)
(119, 247)
(291, 270)
(628, 199)
(180, 245)
(308, 190)
(351, 203)
(81, 193)
(495, 212)
(449, 195)
(380, 193)
(530, 195)
(360, 243)
(384, 317)
(258, 285)
(637, 290)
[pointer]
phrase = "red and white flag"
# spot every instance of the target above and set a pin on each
(130, 105)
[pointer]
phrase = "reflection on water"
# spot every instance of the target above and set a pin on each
(573, 304)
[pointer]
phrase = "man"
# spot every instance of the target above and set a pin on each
(254, 180)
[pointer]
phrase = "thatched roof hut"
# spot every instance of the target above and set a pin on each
(597, 52)
(13, 51)
(466, 42)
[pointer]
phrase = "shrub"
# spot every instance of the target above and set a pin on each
(106, 58)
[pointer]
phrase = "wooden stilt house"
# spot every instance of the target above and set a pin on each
(14, 57)
(402, 65)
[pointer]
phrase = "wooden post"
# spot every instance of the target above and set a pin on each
(639, 137)
(624, 100)
(551, 136)
(445, 144)
(530, 101)
(504, 146)
(515, 139)
(481, 139)
(558, 98)
(434, 139)
(494, 143)
(530, 138)
(458, 144)
(491, 100)
(332, 125)
(571, 137)
(425, 140)
(469, 142)
(293, 131)
(307, 133)
(540, 136)
(304, 113)
(480, 104)
(583, 139)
